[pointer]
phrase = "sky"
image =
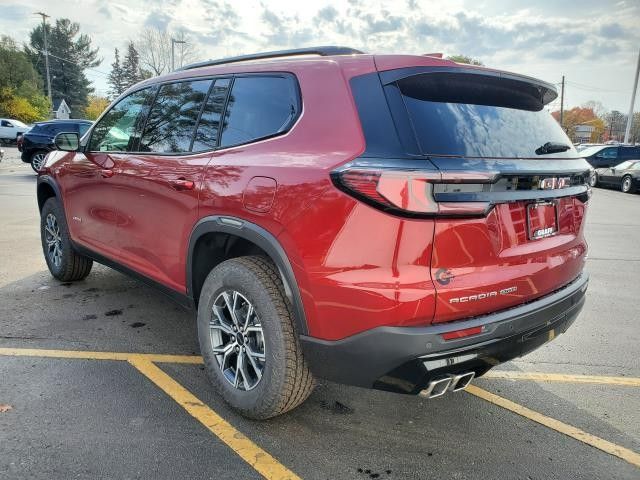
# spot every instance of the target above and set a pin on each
(594, 43)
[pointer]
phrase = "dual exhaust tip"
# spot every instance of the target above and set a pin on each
(453, 383)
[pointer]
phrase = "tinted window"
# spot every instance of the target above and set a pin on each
(258, 107)
(207, 134)
(611, 152)
(173, 117)
(118, 129)
(5, 124)
(476, 116)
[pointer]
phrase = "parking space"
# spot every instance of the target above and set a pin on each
(86, 401)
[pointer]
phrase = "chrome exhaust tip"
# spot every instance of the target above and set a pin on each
(461, 381)
(436, 387)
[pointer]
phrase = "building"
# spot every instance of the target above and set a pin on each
(60, 109)
(582, 133)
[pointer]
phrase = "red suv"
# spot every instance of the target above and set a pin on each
(389, 221)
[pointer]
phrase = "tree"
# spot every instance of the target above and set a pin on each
(634, 134)
(116, 80)
(96, 106)
(464, 59)
(581, 116)
(20, 85)
(131, 71)
(616, 124)
(154, 46)
(70, 54)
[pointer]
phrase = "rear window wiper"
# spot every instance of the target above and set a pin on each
(551, 147)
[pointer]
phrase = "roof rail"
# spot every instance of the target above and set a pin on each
(322, 51)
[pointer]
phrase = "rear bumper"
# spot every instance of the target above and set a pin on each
(405, 359)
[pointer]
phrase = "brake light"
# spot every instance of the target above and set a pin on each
(409, 192)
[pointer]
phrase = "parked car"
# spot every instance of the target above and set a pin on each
(401, 231)
(605, 156)
(625, 176)
(38, 141)
(10, 129)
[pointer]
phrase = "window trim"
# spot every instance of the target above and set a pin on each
(213, 78)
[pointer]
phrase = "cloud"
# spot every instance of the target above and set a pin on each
(157, 19)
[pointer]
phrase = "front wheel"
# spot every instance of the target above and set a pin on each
(63, 261)
(247, 339)
(626, 184)
(593, 180)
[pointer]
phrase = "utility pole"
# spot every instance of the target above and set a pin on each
(173, 53)
(633, 101)
(46, 51)
(562, 104)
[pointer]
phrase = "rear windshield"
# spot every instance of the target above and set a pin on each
(481, 116)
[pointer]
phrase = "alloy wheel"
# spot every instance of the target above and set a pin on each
(237, 340)
(626, 184)
(53, 239)
(38, 160)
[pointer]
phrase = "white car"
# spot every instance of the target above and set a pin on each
(10, 129)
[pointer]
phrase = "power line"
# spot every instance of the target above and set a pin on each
(76, 63)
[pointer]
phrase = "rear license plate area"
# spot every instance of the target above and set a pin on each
(542, 220)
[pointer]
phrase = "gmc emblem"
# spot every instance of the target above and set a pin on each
(553, 183)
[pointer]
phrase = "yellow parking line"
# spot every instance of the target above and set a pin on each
(260, 460)
(87, 355)
(611, 448)
(560, 377)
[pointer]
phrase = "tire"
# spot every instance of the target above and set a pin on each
(37, 159)
(284, 381)
(593, 180)
(626, 184)
(63, 261)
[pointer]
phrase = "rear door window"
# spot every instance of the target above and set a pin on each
(479, 116)
(259, 107)
(209, 126)
(173, 117)
(119, 129)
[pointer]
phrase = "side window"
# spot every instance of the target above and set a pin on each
(209, 125)
(610, 153)
(118, 130)
(258, 107)
(6, 124)
(173, 117)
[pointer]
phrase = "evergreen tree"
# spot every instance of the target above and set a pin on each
(70, 54)
(131, 71)
(116, 79)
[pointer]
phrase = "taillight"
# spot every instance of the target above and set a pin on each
(411, 192)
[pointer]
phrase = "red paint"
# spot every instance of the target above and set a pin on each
(467, 332)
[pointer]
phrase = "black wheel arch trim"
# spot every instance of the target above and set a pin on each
(260, 237)
(47, 179)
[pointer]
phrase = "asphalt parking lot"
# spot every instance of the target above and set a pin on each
(102, 379)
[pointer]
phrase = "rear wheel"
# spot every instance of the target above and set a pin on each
(247, 339)
(37, 160)
(626, 184)
(63, 261)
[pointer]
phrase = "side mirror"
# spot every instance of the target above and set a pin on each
(67, 142)
(613, 170)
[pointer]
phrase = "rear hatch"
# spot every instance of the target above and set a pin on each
(499, 152)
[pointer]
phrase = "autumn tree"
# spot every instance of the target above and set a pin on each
(95, 106)
(581, 116)
(20, 85)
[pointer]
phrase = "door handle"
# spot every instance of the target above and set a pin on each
(106, 173)
(181, 184)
